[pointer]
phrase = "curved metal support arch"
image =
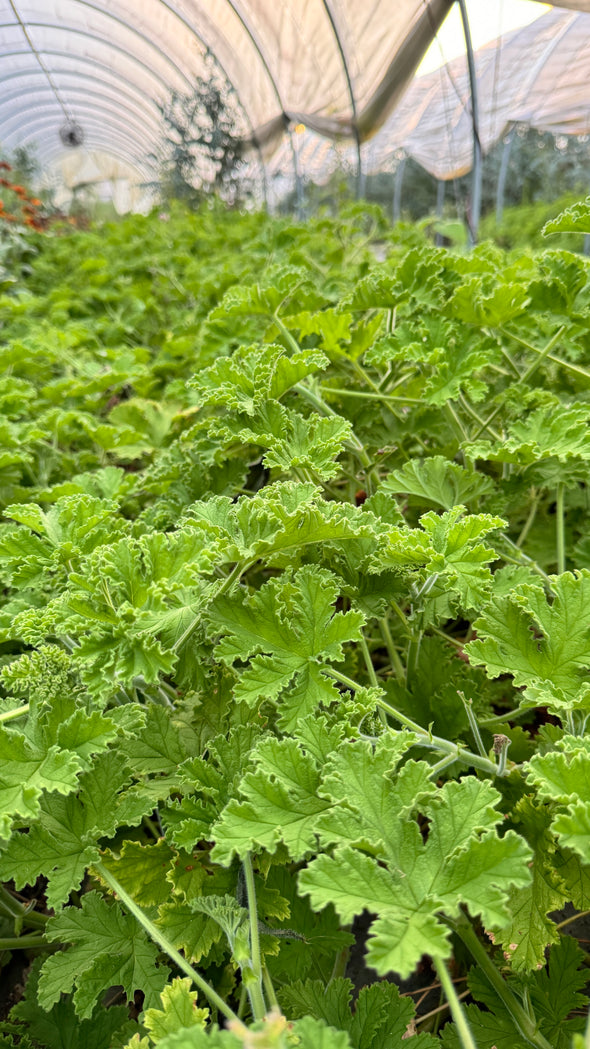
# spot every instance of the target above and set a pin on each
(7, 121)
(108, 43)
(128, 87)
(87, 92)
(185, 77)
(257, 47)
(353, 106)
(89, 61)
(31, 128)
(204, 44)
(207, 47)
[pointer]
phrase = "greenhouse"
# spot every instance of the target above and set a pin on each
(294, 524)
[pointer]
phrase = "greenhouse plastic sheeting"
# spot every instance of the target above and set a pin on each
(550, 91)
(337, 66)
(536, 76)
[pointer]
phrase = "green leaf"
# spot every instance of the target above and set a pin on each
(178, 1011)
(108, 948)
(564, 778)
(60, 1027)
(448, 556)
(282, 524)
(544, 646)
(64, 840)
(253, 376)
(463, 861)
(282, 804)
(436, 480)
(575, 219)
(530, 931)
(287, 630)
(26, 772)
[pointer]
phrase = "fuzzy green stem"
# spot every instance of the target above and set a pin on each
(233, 577)
(468, 706)
(545, 353)
(163, 942)
(392, 650)
(441, 765)
(508, 715)
(560, 525)
(526, 1026)
(8, 715)
(255, 988)
(463, 1029)
(23, 915)
(369, 662)
(454, 422)
(542, 354)
(474, 415)
(425, 738)
(372, 675)
(364, 395)
(530, 518)
(269, 989)
(22, 943)
(287, 335)
(572, 918)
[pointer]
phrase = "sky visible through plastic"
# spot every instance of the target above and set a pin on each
(488, 20)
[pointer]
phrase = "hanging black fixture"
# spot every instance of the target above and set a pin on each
(71, 134)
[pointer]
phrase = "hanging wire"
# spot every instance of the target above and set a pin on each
(67, 114)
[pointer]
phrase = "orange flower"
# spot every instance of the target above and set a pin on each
(38, 203)
(4, 166)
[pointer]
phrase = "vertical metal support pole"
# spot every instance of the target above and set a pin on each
(263, 172)
(397, 189)
(473, 220)
(502, 175)
(297, 176)
(440, 203)
(360, 175)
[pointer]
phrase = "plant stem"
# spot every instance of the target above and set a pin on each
(13, 908)
(560, 524)
(530, 370)
(463, 1028)
(158, 937)
(255, 987)
(575, 368)
(572, 918)
(468, 705)
(474, 415)
(455, 422)
(530, 518)
(18, 943)
(425, 738)
(526, 1026)
(391, 649)
(268, 987)
(8, 715)
(369, 662)
(372, 675)
(364, 395)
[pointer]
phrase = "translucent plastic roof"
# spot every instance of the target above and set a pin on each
(338, 66)
(537, 76)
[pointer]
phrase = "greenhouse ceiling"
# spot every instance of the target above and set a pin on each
(102, 66)
(336, 65)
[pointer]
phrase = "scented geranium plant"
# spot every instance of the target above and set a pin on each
(295, 639)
